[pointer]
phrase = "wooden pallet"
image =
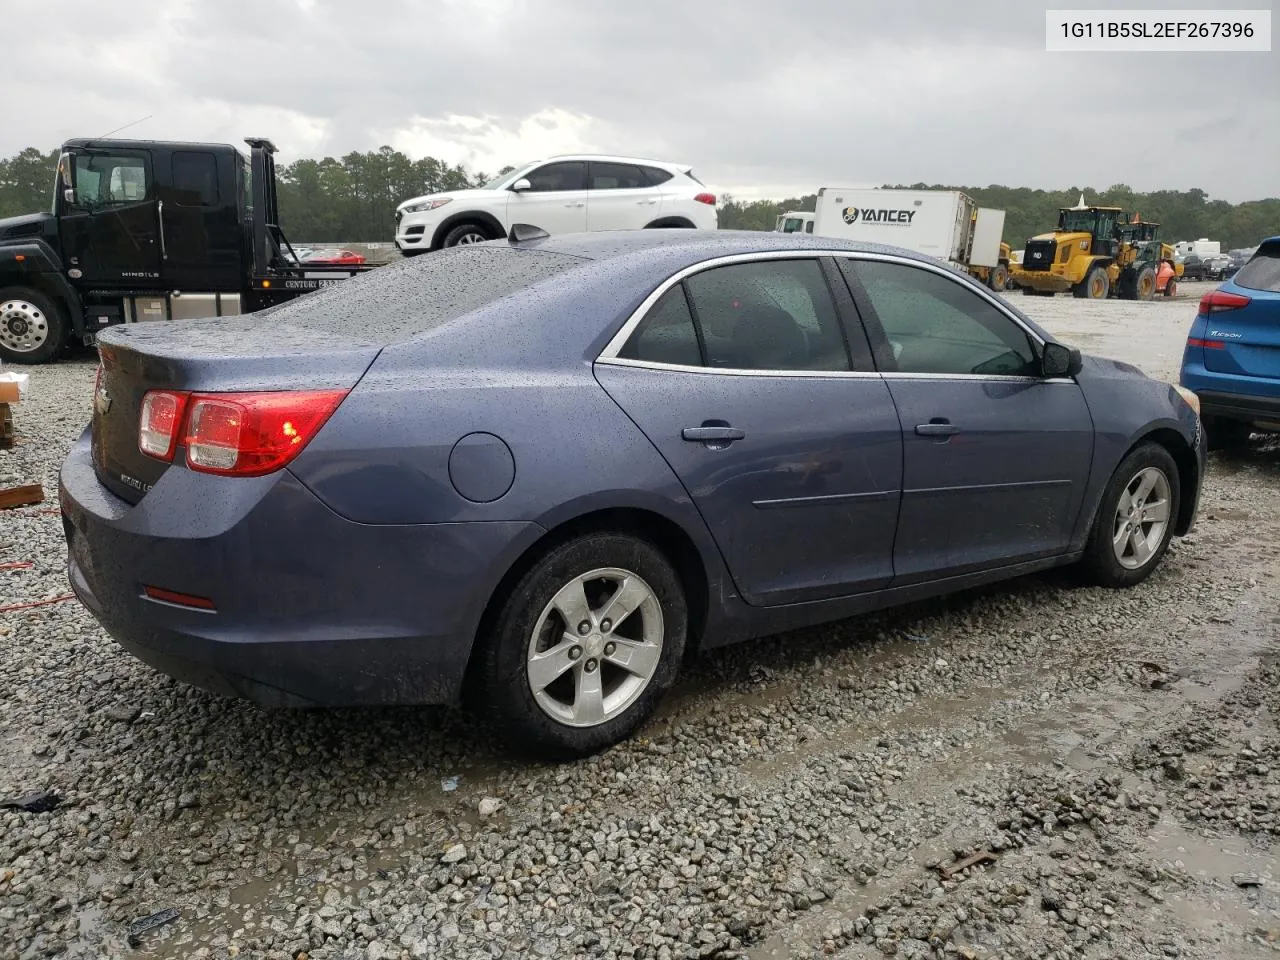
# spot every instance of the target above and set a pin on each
(7, 434)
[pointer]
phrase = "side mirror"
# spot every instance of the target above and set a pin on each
(69, 196)
(1059, 360)
(521, 185)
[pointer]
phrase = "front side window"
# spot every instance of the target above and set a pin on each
(554, 177)
(768, 315)
(937, 325)
(106, 180)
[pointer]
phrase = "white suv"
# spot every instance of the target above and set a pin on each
(569, 194)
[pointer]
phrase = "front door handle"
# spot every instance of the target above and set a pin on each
(712, 434)
(937, 428)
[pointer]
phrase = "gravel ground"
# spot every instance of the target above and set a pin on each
(1116, 754)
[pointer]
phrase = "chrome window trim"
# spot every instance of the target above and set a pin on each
(609, 355)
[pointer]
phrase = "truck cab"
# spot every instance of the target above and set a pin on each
(146, 230)
(794, 221)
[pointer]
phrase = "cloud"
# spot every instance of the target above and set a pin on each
(761, 97)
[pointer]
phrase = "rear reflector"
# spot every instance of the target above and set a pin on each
(1207, 344)
(235, 434)
(178, 599)
(708, 198)
(1215, 301)
(159, 423)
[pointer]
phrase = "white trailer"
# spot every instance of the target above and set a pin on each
(946, 224)
(1204, 247)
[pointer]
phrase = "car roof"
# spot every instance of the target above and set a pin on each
(694, 246)
(612, 158)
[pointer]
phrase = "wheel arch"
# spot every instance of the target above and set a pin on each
(1184, 458)
(485, 219)
(675, 543)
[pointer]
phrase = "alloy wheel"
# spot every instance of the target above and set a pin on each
(1142, 518)
(595, 647)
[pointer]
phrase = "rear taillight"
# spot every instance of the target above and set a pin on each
(708, 198)
(160, 423)
(1215, 301)
(1207, 344)
(241, 434)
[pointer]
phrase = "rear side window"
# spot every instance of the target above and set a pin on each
(616, 176)
(666, 334)
(195, 179)
(768, 315)
(655, 176)
(402, 300)
(1263, 271)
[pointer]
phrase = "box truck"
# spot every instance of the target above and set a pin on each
(946, 224)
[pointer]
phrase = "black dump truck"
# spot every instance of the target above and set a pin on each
(147, 230)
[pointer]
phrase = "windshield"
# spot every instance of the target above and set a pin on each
(502, 179)
(793, 225)
(1076, 221)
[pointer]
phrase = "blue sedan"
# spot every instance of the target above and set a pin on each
(540, 471)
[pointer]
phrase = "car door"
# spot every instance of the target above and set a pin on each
(110, 233)
(995, 456)
(556, 199)
(619, 197)
(743, 377)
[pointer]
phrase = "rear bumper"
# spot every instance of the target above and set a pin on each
(1263, 412)
(1232, 396)
(311, 609)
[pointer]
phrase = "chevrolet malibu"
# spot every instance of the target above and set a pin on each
(534, 474)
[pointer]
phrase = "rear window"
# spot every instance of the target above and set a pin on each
(1263, 271)
(402, 300)
(655, 176)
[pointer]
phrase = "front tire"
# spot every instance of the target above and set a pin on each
(1135, 519)
(583, 647)
(33, 328)
(998, 278)
(466, 233)
(1096, 285)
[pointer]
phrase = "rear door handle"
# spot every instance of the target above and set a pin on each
(578, 204)
(937, 428)
(712, 434)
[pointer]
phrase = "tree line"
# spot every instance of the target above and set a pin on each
(352, 199)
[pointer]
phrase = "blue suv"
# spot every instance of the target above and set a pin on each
(1232, 357)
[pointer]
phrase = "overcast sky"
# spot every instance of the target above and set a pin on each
(763, 97)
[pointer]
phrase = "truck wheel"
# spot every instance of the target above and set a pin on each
(1171, 288)
(32, 327)
(998, 278)
(1144, 285)
(465, 233)
(1095, 286)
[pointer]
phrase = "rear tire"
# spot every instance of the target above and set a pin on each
(1135, 519)
(1220, 434)
(608, 677)
(33, 328)
(1171, 288)
(465, 233)
(1144, 284)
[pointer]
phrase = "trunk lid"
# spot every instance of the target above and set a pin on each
(217, 355)
(1251, 333)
